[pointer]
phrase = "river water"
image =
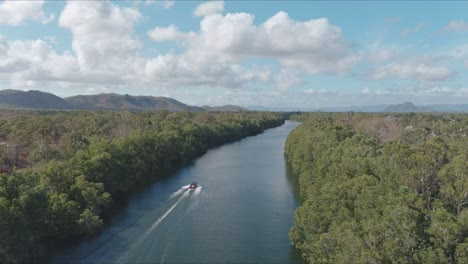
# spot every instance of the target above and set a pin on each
(242, 213)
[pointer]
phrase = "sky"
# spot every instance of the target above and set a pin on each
(304, 54)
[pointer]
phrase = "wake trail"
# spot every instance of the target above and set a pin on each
(151, 229)
(196, 193)
(178, 192)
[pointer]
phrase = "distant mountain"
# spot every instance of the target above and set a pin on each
(463, 108)
(407, 107)
(114, 101)
(15, 99)
(225, 108)
(358, 108)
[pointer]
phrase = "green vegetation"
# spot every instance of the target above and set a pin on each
(63, 170)
(381, 188)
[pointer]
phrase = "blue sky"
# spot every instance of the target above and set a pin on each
(304, 54)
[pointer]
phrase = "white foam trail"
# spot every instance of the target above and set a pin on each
(151, 229)
(178, 192)
(197, 191)
(192, 205)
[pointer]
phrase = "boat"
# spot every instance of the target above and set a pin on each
(193, 186)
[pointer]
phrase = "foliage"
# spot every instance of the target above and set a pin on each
(381, 189)
(64, 170)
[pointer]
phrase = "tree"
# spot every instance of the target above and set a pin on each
(454, 181)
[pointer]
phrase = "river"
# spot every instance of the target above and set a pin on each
(242, 214)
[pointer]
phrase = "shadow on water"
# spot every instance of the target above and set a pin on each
(120, 208)
(293, 181)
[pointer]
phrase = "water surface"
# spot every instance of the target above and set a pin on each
(242, 214)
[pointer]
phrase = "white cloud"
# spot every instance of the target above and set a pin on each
(224, 40)
(404, 64)
(412, 30)
(107, 54)
(460, 51)
(16, 12)
(103, 40)
(105, 51)
(381, 55)
(456, 26)
(392, 20)
(209, 8)
(413, 71)
(170, 33)
(287, 78)
(34, 61)
(313, 46)
(164, 3)
(423, 90)
(310, 91)
(172, 71)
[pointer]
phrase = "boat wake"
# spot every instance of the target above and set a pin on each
(183, 193)
(178, 192)
(183, 189)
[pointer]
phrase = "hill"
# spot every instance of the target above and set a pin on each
(114, 101)
(15, 99)
(407, 107)
(225, 108)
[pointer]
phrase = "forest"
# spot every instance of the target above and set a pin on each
(381, 188)
(61, 172)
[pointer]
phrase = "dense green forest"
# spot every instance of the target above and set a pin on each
(381, 188)
(60, 172)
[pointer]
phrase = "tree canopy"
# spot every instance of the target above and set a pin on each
(381, 188)
(63, 170)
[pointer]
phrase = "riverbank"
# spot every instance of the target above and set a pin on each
(65, 198)
(242, 214)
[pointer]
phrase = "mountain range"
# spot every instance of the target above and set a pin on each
(15, 99)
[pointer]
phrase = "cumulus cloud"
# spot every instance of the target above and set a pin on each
(103, 40)
(106, 52)
(208, 8)
(104, 49)
(16, 12)
(413, 71)
(313, 46)
(456, 26)
(393, 62)
(170, 33)
(31, 61)
(287, 79)
(172, 71)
